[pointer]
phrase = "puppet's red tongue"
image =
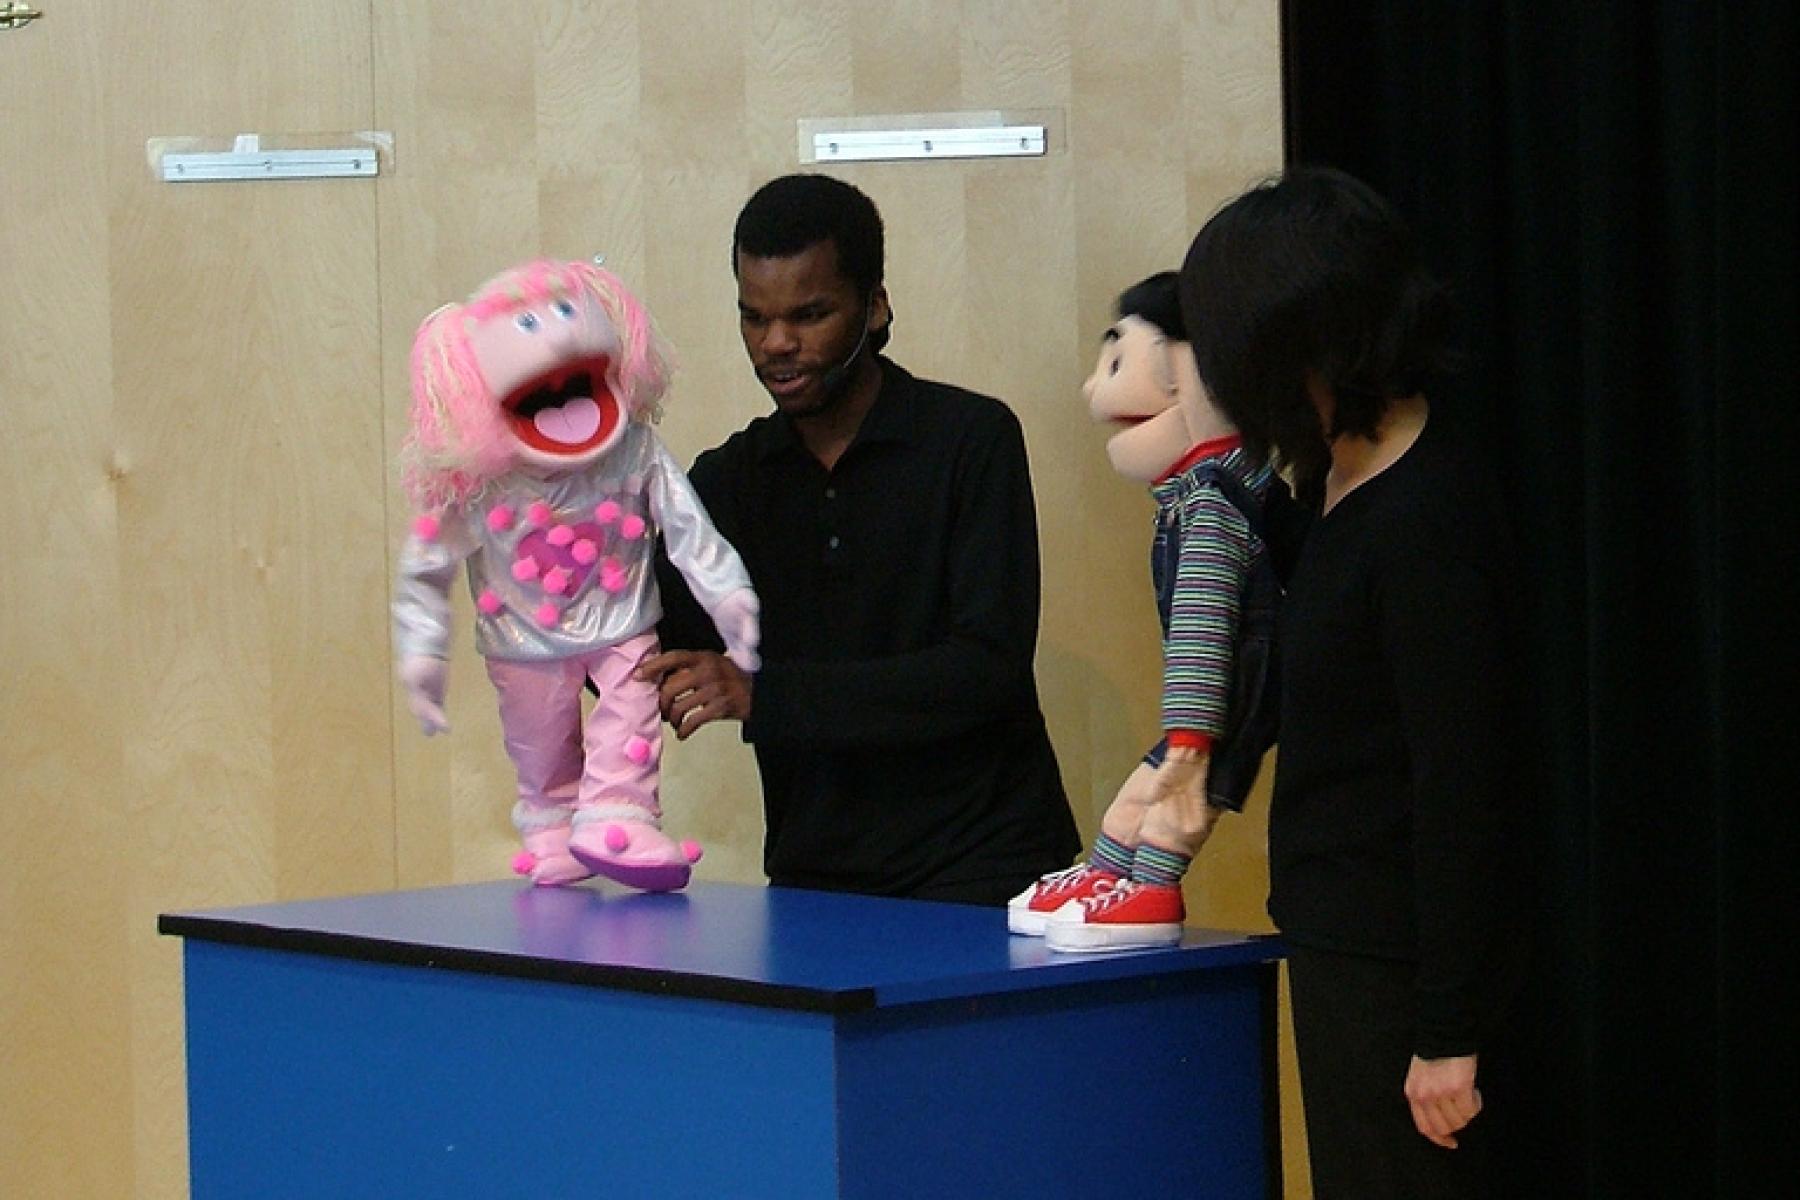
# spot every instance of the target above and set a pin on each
(573, 423)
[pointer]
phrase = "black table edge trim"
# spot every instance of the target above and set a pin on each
(519, 966)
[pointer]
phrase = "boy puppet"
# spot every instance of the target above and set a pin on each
(1170, 436)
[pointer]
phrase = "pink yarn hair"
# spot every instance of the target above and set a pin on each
(459, 442)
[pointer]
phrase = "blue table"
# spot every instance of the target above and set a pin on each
(497, 1040)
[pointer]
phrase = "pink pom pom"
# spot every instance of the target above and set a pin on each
(616, 838)
(632, 526)
(560, 535)
(425, 527)
(524, 862)
(488, 602)
(612, 575)
(500, 518)
(637, 749)
(556, 581)
(606, 512)
(539, 513)
(584, 552)
(547, 615)
(525, 569)
(690, 850)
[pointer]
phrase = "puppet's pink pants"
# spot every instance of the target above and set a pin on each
(565, 764)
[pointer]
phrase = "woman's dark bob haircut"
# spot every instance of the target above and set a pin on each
(1311, 273)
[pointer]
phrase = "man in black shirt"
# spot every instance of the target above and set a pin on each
(889, 528)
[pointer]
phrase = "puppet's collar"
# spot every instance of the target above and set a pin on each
(1209, 449)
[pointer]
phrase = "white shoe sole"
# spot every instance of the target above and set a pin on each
(1026, 923)
(1077, 938)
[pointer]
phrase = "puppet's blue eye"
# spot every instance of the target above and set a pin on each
(563, 309)
(1114, 368)
(527, 322)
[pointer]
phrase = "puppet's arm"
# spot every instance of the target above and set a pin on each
(1204, 612)
(1203, 619)
(421, 609)
(715, 575)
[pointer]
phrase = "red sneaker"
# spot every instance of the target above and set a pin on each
(1129, 916)
(1027, 911)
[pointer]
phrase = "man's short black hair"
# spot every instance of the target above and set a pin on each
(1158, 301)
(1311, 271)
(788, 214)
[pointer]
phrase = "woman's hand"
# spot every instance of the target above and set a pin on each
(1443, 1096)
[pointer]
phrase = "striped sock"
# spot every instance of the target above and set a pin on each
(1158, 867)
(1114, 856)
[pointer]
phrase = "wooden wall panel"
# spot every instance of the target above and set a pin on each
(203, 629)
(253, 575)
(212, 383)
(65, 983)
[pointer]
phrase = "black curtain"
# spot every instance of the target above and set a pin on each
(1610, 189)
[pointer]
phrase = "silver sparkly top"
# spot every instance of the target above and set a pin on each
(560, 564)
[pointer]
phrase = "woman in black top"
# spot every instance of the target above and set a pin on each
(1318, 330)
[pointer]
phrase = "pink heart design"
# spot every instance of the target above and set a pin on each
(538, 547)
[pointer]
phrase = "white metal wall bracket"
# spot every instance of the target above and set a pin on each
(993, 141)
(271, 164)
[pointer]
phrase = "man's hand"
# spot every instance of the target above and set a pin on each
(1443, 1096)
(696, 687)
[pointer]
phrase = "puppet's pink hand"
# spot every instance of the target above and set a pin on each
(425, 678)
(738, 624)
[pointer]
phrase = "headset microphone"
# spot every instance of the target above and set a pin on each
(834, 377)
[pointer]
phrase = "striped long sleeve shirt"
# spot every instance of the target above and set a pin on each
(1200, 562)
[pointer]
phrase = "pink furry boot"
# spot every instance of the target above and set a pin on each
(545, 858)
(626, 844)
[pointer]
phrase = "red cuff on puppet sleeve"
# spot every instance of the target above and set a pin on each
(1191, 739)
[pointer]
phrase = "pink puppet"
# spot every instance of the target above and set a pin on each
(532, 462)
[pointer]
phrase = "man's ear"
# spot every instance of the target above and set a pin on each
(878, 317)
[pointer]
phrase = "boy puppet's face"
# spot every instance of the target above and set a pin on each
(1134, 392)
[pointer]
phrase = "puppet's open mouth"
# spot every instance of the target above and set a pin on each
(567, 412)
